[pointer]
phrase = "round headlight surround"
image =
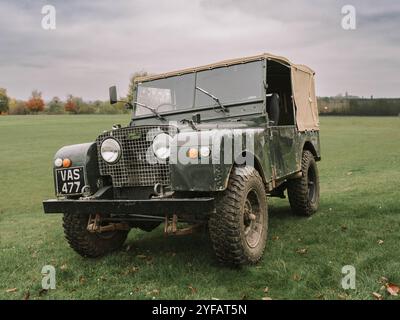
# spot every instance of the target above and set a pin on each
(162, 146)
(110, 150)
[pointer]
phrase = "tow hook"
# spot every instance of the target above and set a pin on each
(94, 225)
(158, 189)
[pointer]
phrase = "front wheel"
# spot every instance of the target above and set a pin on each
(303, 192)
(238, 228)
(89, 244)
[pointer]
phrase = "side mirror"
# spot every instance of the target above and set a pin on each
(113, 95)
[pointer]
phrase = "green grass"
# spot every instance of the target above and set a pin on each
(360, 179)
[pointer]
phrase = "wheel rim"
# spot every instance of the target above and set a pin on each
(312, 184)
(252, 219)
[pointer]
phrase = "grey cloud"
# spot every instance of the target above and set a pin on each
(98, 43)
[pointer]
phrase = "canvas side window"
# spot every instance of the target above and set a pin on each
(280, 85)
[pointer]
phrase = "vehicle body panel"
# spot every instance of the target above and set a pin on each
(274, 150)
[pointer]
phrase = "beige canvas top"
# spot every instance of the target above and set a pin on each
(302, 85)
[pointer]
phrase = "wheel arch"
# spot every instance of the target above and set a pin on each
(256, 164)
(308, 145)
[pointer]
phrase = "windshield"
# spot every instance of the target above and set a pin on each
(232, 84)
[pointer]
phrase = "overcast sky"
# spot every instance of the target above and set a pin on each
(100, 43)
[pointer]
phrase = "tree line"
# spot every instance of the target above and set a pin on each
(356, 106)
(338, 105)
(71, 105)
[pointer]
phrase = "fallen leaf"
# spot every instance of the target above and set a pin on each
(192, 289)
(296, 277)
(377, 296)
(342, 296)
(136, 289)
(27, 295)
(155, 292)
(275, 238)
(383, 280)
(393, 289)
(82, 279)
(141, 256)
(380, 241)
(302, 251)
(63, 267)
(266, 298)
(42, 292)
(11, 290)
(266, 289)
(349, 173)
(133, 269)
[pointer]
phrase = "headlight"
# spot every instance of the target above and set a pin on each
(162, 146)
(205, 151)
(58, 162)
(110, 150)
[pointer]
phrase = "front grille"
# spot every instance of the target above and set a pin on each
(134, 168)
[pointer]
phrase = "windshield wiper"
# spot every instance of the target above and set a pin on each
(154, 111)
(214, 98)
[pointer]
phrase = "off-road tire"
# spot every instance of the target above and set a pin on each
(303, 192)
(89, 244)
(227, 225)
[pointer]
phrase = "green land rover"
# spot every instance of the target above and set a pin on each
(205, 146)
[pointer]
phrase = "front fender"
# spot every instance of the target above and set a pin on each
(200, 176)
(85, 155)
(228, 146)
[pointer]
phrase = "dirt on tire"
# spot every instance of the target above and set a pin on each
(89, 244)
(228, 224)
(303, 201)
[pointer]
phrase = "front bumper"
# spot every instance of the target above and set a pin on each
(153, 207)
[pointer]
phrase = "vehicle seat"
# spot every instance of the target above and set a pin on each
(273, 108)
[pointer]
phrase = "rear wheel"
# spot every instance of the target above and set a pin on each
(303, 192)
(238, 228)
(89, 244)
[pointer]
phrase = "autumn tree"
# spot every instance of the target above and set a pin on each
(35, 103)
(17, 107)
(4, 101)
(71, 106)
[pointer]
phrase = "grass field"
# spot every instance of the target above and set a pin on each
(358, 224)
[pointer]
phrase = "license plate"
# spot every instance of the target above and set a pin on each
(70, 181)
